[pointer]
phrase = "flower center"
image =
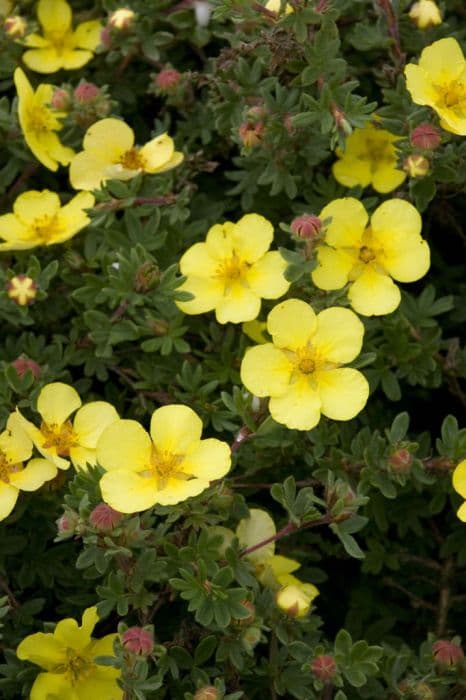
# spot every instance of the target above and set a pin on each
(453, 95)
(61, 437)
(46, 228)
(164, 465)
(40, 119)
(133, 160)
(231, 270)
(75, 668)
(379, 151)
(305, 360)
(7, 468)
(366, 254)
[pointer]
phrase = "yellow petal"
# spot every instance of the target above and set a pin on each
(56, 402)
(87, 171)
(82, 456)
(8, 497)
(42, 649)
(101, 684)
(173, 162)
(266, 277)
(39, 440)
(33, 205)
(387, 178)
(333, 268)
(74, 636)
(72, 217)
(49, 150)
(291, 324)
(128, 492)
(255, 330)
(109, 139)
(124, 444)
(87, 35)
(282, 566)
(54, 16)
(198, 262)
(43, 60)
(103, 646)
(175, 428)
(238, 304)
(348, 222)
(298, 408)
(374, 294)
(207, 292)
(266, 370)
(461, 512)
(443, 61)
(293, 601)
(91, 420)
(14, 441)
(459, 478)
(343, 392)
(36, 41)
(34, 475)
(395, 218)
(52, 685)
(339, 335)
(207, 459)
(419, 85)
(157, 153)
(12, 230)
(76, 58)
(350, 171)
(252, 236)
(250, 531)
(177, 491)
(219, 240)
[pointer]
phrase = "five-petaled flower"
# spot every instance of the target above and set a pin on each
(15, 476)
(39, 219)
(58, 438)
(459, 484)
(368, 256)
(301, 369)
(439, 81)
(369, 158)
(59, 46)
(21, 289)
(40, 122)
(167, 467)
(68, 656)
(233, 270)
(110, 154)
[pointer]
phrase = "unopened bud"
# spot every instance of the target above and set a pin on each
(105, 37)
(103, 517)
(21, 289)
(86, 92)
(147, 276)
(138, 641)
(422, 691)
(251, 134)
(208, 692)
(324, 667)
(306, 226)
(158, 326)
(288, 124)
(60, 99)
(66, 524)
(74, 259)
(15, 26)
(426, 137)
(447, 653)
(251, 637)
(416, 165)
(425, 14)
(340, 119)
(122, 18)
(24, 364)
(400, 461)
(167, 79)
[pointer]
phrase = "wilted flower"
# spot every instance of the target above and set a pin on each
(251, 134)
(425, 13)
(208, 692)
(21, 289)
(401, 461)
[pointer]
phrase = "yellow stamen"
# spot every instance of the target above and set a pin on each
(7, 468)
(133, 160)
(164, 466)
(61, 437)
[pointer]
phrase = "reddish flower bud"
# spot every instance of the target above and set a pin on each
(425, 136)
(447, 653)
(138, 641)
(86, 92)
(23, 364)
(103, 517)
(251, 134)
(208, 692)
(401, 461)
(167, 79)
(324, 667)
(66, 524)
(106, 37)
(306, 226)
(60, 99)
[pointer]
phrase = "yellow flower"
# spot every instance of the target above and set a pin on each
(122, 18)
(39, 219)
(15, 449)
(301, 369)
(459, 484)
(58, 438)
(60, 46)
(110, 154)
(295, 598)
(425, 13)
(39, 122)
(439, 81)
(68, 656)
(369, 158)
(369, 256)
(167, 467)
(275, 5)
(21, 289)
(233, 270)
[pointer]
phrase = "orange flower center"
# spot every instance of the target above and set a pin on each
(133, 160)
(60, 437)
(7, 468)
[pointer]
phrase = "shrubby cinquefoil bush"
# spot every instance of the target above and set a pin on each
(232, 368)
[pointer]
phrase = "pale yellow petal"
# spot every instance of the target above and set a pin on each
(39, 441)
(459, 478)
(175, 428)
(127, 492)
(14, 441)
(351, 171)
(34, 475)
(291, 324)
(252, 236)
(266, 370)
(387, 178)
(238, 304)
(219, 240)
(87, 35)
(348, 222)
(207, 292)
(91, 420)
(419, 85)
(56, 402)
(374, 294)
(443, 61)
(76, 58)
(339, 335)
(72, 217)
(175, 160)
(250, 531)
(124, 444)
(54, 16)
(82, 456)
(395, 218)
(267, 278)
(33, 205)
(333, 267)
(299, 408)
(109, 139)
(43, 60)
(343, 392)
(157, 152)
(42, 649)
(13, 231)
(197, 262)
(8, 497)
(207, 459)
(177, 491)
(88, 171)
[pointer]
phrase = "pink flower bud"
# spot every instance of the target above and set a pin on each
(138, 641)
(306, 226)
(105, 37)
(447, 653)
(208, 692)
(425, 136)
(66, 524)
(324, 667)
(60, 99)
(401, 461)
(23, 364)
(103, 517)
(167, 79)
(86, 92)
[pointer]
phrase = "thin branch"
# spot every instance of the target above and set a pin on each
(288, 530)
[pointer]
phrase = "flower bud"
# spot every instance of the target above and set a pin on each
(86, 92)
(122, 18)
(167, 79)
(246, 621)
(447, 653)
(426, 137)
(324, 667)
(138, 641)
(208, 692)
(21, 289)
(105, 37)
(23, 364)
(425, 14)
(15, 26)
(66, 523)
(416, 165)
(275, 6)
(422, 691)
(103, 517)
(74, 259)
(147, 276)
(306, 226)
(251, 134)
(293, 601)
(158, 326)
(251, 637)
(60, 99)
(340, 119)
(400, 461)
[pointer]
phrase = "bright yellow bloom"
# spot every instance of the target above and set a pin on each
(295, 598)
(167, 467)
(39, 219)
(110, 154)
(233, 270)
(15, 449)
(58, 438)
(369, 158)
(439, 81)
(68, 657)
(21, 289)
(40, 123)
(301, 370)
(425, 13)
(369, 256)
(275, 5)
(60, 46)
(459, 484)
